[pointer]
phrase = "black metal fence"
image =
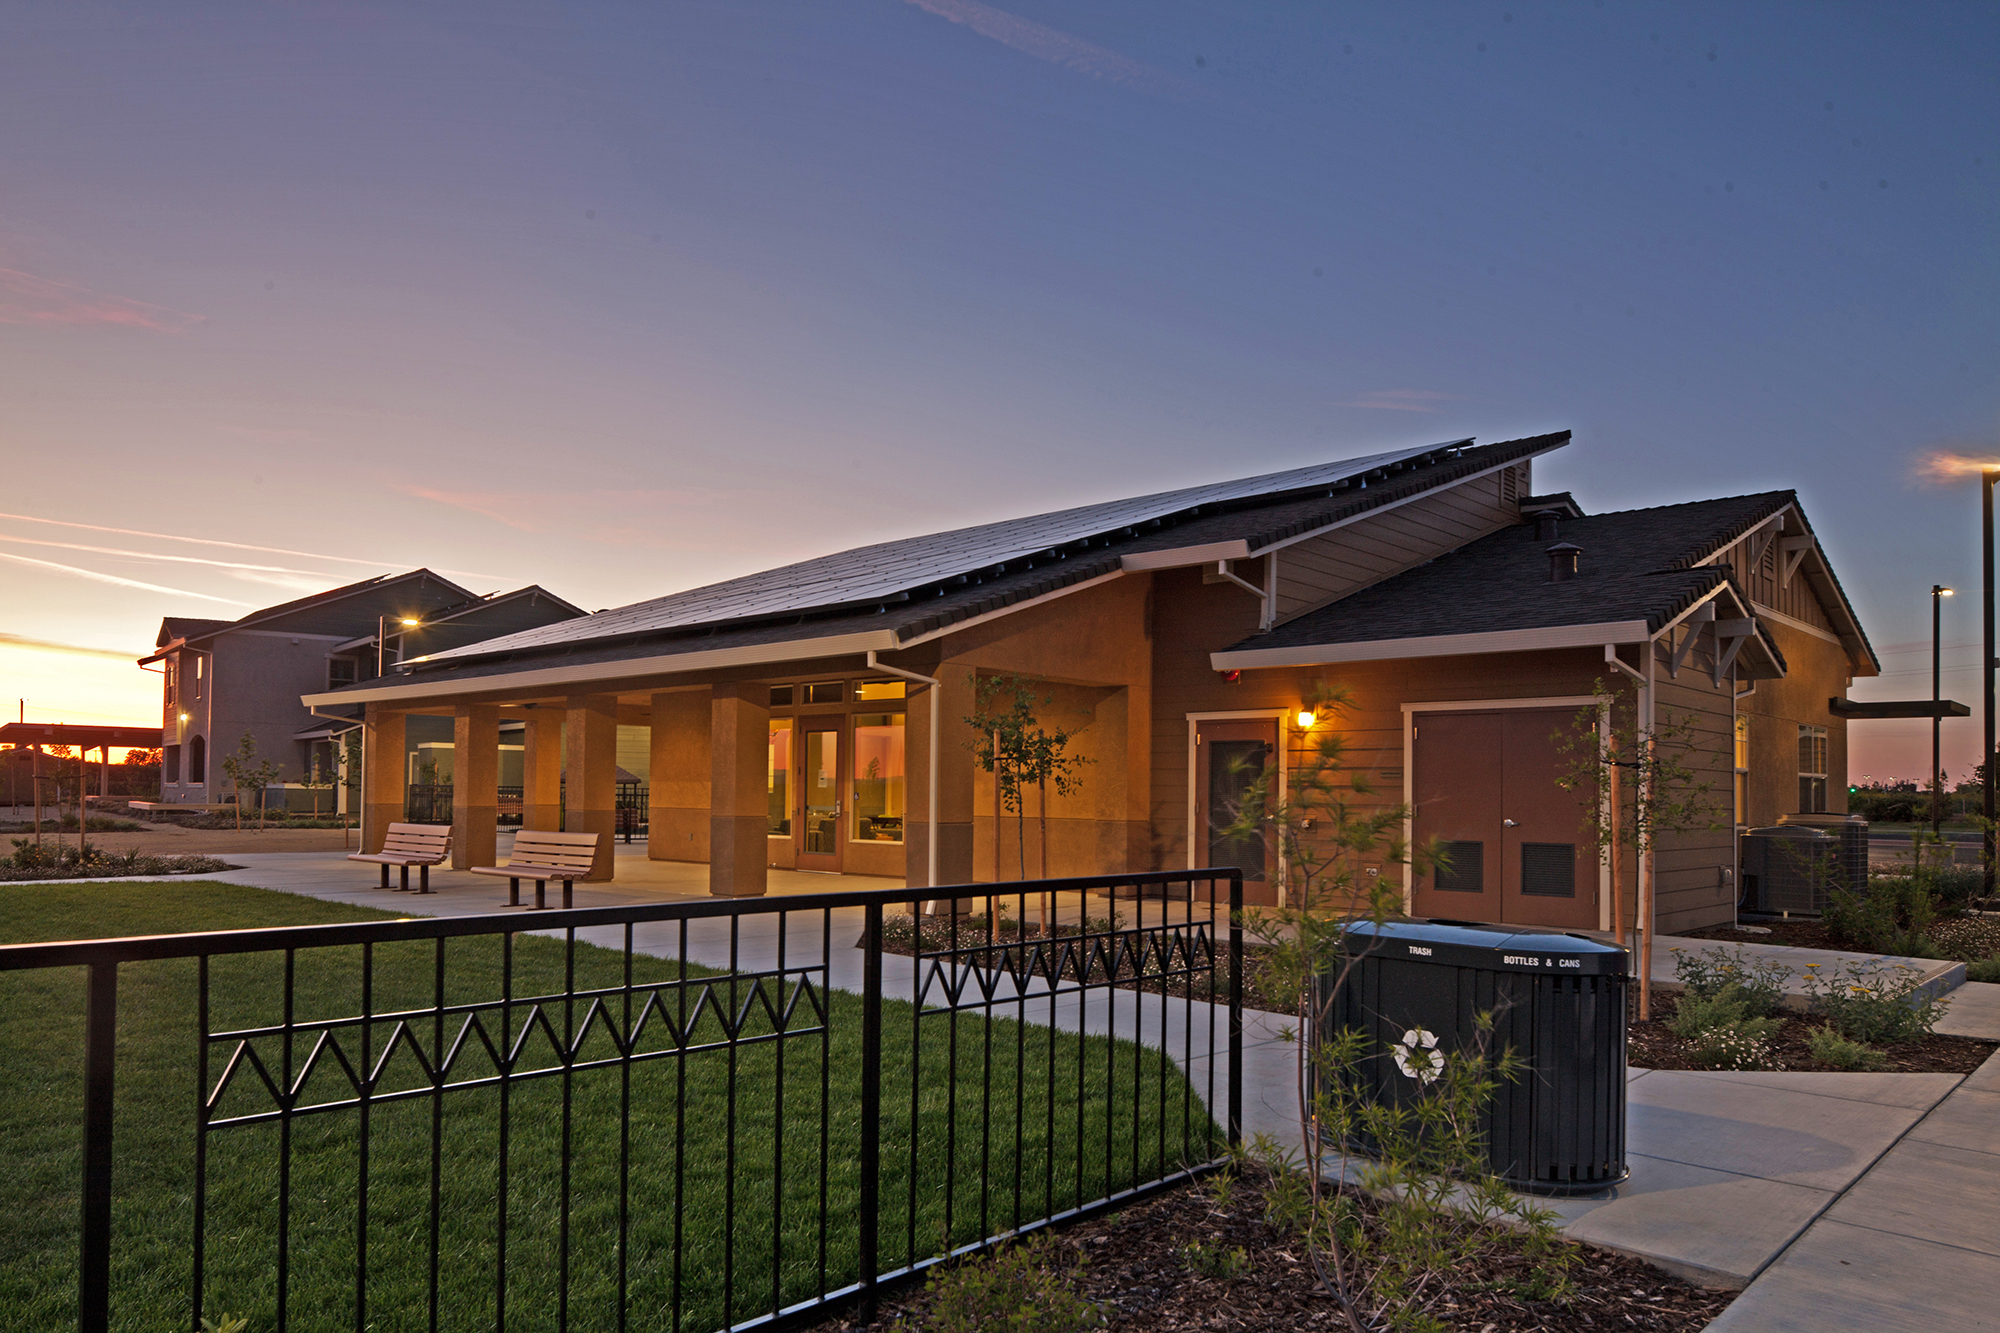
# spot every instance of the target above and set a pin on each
(726, 1114)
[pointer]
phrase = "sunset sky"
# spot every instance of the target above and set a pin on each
(623, 299)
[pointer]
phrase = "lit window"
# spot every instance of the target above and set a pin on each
(777, 778)
(1812, 770)
(881, 689)
(878, 777)
(1742, 768)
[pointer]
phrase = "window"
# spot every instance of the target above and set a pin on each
(824, 692)
(339, 671)
(200, 671)
(170, 762)
(1742, 769)
(878, 777)
(777, 778)
(1812, 770)
(197, 761)
(173, 680)
(781, 696)
(881, 689)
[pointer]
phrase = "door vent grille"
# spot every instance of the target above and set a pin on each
(1548, 869)
(1466, 868)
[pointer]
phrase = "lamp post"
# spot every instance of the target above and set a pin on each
(1938, 593)
(1987, 476)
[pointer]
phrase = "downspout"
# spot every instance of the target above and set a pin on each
(1642, 915)
(937, 688)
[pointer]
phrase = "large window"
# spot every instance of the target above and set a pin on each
(173, 674)
(878, 777)
(1742, 768)
(1812, 770)
(778, 780)
(197, 761)
(171, 764)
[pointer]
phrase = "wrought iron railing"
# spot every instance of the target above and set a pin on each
(727, 1114)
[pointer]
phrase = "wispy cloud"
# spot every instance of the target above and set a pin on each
(1399, 400)
(27, 299)
(157, 555)
(117, 580)
(1052, 45)
(51, 646)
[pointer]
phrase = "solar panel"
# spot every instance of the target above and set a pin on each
(886, 569)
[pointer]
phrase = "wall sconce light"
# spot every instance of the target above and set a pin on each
(184, 717)
(1306, 719)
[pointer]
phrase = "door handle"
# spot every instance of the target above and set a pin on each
(1510, 823)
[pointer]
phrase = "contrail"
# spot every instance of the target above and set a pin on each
(150, 555)
(117, 581)
(50, 645)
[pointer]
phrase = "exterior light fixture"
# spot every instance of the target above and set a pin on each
(184, 717)
(408, 620)
(1306, 719)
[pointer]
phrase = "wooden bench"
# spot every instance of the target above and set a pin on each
(420, 845)
(542, 857)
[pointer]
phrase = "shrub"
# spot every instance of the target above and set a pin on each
(1217, 1261)
(1018, 1290)
(1830, 1048)
(1722, 1032)
(1759, 984)
(1875, 1003)
(1733, 1047)
(1986, 969)
(1894, 917)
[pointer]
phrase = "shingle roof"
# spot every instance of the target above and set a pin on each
(1639, 564)
(182, 627)
(925, 582)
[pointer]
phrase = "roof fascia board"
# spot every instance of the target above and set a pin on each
(1437, 645)
(1411, 498)
(1022, 605)
(715, 659)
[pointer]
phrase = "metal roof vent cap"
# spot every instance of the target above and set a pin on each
(1562, 561)
(1545, 524)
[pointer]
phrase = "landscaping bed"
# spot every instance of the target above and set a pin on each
(1201, 1256)
(1653, 1045)
(52, 860)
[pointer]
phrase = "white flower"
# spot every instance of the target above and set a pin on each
(1417, 1055)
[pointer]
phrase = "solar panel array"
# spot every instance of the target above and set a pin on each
(887, 569)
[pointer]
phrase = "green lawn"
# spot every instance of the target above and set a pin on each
(679, 1139)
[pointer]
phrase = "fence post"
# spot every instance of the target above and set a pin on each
(871, 1106)
(1236, 1008)
(100, 1043)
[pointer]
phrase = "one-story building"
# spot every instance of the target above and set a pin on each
(813, 717)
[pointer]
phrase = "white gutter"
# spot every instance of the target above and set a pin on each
(1263, 599)
(715, 659)
(1436, 645)
(937, 689)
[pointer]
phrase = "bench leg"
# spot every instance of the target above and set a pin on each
(513, 893)
(385, 874)
(541, 897)
(403, 872)
(566, 902)
(424, 879)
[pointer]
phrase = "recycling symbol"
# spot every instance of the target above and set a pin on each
(1417, 1055)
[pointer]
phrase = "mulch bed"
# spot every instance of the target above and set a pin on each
(1792, 932)
(1132, 1263)
(1653, 1046)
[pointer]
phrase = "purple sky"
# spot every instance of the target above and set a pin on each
(623, 299)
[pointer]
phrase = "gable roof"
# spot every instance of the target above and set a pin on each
(187, 627)
(923, 583)
(1640, 570)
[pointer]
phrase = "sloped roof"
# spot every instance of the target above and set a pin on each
(185, 627)
(1637, 565)
(931, 574)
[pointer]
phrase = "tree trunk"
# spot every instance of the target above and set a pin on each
(1045, 851)
(1617, 866)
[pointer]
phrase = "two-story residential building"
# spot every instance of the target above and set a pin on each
(224, 678)
(814, 717)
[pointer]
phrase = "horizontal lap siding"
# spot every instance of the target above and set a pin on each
(1690, 887)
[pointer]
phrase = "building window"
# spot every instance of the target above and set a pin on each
(878, 777)
(781, 696)
(340, 671)
(200, 671)
(170, 764)
(823, 692)
(1812, 770)
(173, 674)
(197, 761)
(778, 779)
(881, 689)
(1742, 768)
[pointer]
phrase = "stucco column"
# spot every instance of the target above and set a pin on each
(739, 744)
(677, 821)
(475, 784)
(541, 770)
(590, 775)
(384, 774)
(956, 768)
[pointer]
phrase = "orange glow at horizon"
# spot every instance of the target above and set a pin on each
(1944, 466)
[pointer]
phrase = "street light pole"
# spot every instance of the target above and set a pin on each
(1987, 476)
(1938, 593)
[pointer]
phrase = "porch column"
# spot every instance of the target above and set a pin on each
(739, 744)
(475, 785)
(541, 770)
(956, 768)
(104, 772)
(384, 775)
(677, 823)
(590, 775)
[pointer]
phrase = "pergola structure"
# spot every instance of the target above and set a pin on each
(34, 736)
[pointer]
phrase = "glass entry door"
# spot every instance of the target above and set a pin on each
(1230, 757)
(819, 795)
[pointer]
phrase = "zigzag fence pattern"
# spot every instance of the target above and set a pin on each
(691, 1116)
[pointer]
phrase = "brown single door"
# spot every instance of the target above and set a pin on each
(1229, 759)
(1484, 785)
(1456, 790)
(1549, 871)
(819, 806)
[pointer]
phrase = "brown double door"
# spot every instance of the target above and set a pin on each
(1230, 757)
(1485, 785)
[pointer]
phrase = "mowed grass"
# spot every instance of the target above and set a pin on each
(735, 1205)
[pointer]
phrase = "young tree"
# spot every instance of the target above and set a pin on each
(245, 769)
(322, 774)
(1637, 785)
(1021, 751)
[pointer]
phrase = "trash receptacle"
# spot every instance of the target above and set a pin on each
(1558, 1003)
